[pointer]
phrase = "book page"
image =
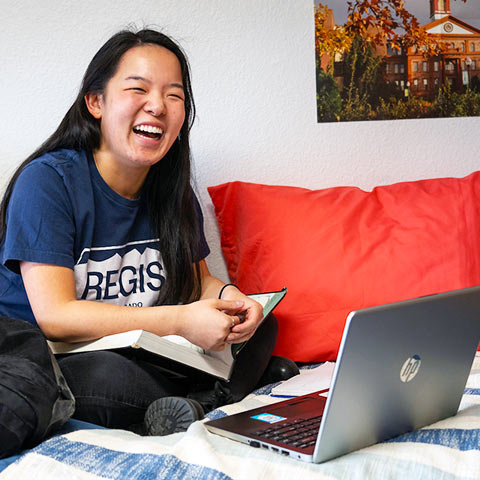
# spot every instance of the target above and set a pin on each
(262, 299)
(269, 300)
(184, 342)
(307, 381)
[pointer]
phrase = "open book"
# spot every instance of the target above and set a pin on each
(174, 347)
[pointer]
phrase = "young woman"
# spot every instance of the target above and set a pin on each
(101, 233)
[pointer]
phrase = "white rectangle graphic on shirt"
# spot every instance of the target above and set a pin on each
(130, 274)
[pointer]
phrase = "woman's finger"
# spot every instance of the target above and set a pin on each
(238, 337)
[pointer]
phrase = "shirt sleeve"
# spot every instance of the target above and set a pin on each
(40, 224)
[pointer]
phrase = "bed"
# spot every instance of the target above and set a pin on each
(331, 248)
(449, 449)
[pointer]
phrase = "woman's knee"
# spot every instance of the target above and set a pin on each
(267, 332)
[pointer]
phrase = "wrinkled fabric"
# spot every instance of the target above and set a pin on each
(34, 397)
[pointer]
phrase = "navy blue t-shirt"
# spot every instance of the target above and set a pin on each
(63, 213)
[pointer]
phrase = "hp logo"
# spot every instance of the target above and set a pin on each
(410, 369)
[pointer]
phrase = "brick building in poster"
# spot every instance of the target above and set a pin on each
(458, 65)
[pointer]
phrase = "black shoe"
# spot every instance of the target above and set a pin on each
(211, 399)
(170, 415)
(278, 369)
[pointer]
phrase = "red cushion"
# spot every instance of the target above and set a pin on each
(342, 248)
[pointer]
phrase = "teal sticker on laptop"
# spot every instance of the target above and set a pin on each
(268, 417)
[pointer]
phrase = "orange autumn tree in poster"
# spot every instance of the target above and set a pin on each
(382, 63)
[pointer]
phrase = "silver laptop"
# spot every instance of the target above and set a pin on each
(400, 367)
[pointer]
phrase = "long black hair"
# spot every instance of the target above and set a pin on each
(167, 192)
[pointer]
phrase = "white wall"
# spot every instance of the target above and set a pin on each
(253, 79)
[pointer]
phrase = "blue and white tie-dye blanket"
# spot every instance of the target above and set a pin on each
(447, 450)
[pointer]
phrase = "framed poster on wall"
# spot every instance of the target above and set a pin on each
(388, 60)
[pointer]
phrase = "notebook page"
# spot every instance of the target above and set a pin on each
(307, 381)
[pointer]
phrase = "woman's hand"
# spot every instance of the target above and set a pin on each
(250, 317)
(208, 323)
(247, 317)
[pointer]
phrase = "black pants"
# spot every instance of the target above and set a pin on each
(114, 388)
(34, 398)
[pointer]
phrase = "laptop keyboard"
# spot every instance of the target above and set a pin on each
(298, 433)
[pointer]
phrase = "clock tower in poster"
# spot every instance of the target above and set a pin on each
(439, 9)
(458, 64)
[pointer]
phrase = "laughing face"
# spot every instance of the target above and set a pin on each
(141, 111)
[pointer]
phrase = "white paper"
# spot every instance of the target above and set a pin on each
(183, 341)
(308, 381)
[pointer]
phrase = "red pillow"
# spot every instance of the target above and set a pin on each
(342, 248)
